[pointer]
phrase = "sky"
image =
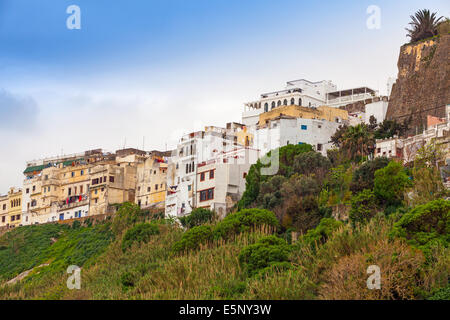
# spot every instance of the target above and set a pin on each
(140, 73)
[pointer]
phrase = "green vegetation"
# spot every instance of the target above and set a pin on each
(281, 242)
(140, 233)
(424, 24)
(197, 217)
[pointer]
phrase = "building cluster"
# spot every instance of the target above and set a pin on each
(405, 149)
(206, 170)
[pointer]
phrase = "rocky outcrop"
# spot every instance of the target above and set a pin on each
(423, 85)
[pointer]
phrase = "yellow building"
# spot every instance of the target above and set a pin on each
(14, 207)
(321, 113)
(151, 182)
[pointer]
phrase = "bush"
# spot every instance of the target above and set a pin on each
(267, 252)
(363, 177)
(140, 233)
(441, 294)
(390, 183)
(193, 238)
(243, 221)
(426, 224)
(321, 233)
(364, 207)
(197, 217)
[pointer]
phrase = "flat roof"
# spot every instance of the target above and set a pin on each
(349, 92)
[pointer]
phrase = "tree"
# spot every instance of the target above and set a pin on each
(364, 207)
(388, 129)
(197, 217)
(423, 25)
(390, 184)
(428, 184)
(363, 176)
(357, 142)
(312, 163)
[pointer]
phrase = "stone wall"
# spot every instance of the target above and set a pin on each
(423, 83)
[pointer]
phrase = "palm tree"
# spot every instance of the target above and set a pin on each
(357, 142)
(424, 25)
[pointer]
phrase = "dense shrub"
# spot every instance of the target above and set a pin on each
(321, 233)
(197, 217)
(140, 233)
(364, 207)
(426, 224)
(254, 178)
(390, 183)
(312, 163)
(267, 252)
(364, 176)
(127, 215)
(243, 221)
(193, 238)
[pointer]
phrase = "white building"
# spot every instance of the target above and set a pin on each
(306, 94)
(221, 181)
(193, 149)
(284, 130)
(377, 109)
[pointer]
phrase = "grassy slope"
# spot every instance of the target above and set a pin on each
(151, 271)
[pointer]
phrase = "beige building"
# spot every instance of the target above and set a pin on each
(151, 184)
(3, 210)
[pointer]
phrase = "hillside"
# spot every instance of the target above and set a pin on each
(271, 247)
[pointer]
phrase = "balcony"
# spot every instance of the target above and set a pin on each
(73, 202)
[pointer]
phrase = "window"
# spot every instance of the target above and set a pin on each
(378, 150)
(300, 101)
(28, 190)
(94, 181)
(319, 147)
(292, 101)
(104, 179)
(211, 174)
(96, 190)
(81, 172)
(266, 107)
(189, 187)
(285, 102)
(3, 219)
(156, 187)
(69, 192)
(18, 217)
(207, 194)
(103, 189)
(13, 218)
(111, 179)
(4, 207)
(202, 176)
(273, 104)
(279, 103)
(34, 188)
(244, 175)
(304, 127)
(148, 189)
(73, 174)
(187, 168)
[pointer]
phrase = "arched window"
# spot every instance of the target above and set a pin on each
(266, 107)
(285, 102)
(273, 104)
(300, 102)
(279, 103)
(292, 101)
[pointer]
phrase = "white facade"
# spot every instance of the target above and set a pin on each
(194, 149)
(286, 130)
(306, 94)
(221, 181)
(377, 109)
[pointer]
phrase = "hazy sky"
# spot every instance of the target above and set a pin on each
(158, 69)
